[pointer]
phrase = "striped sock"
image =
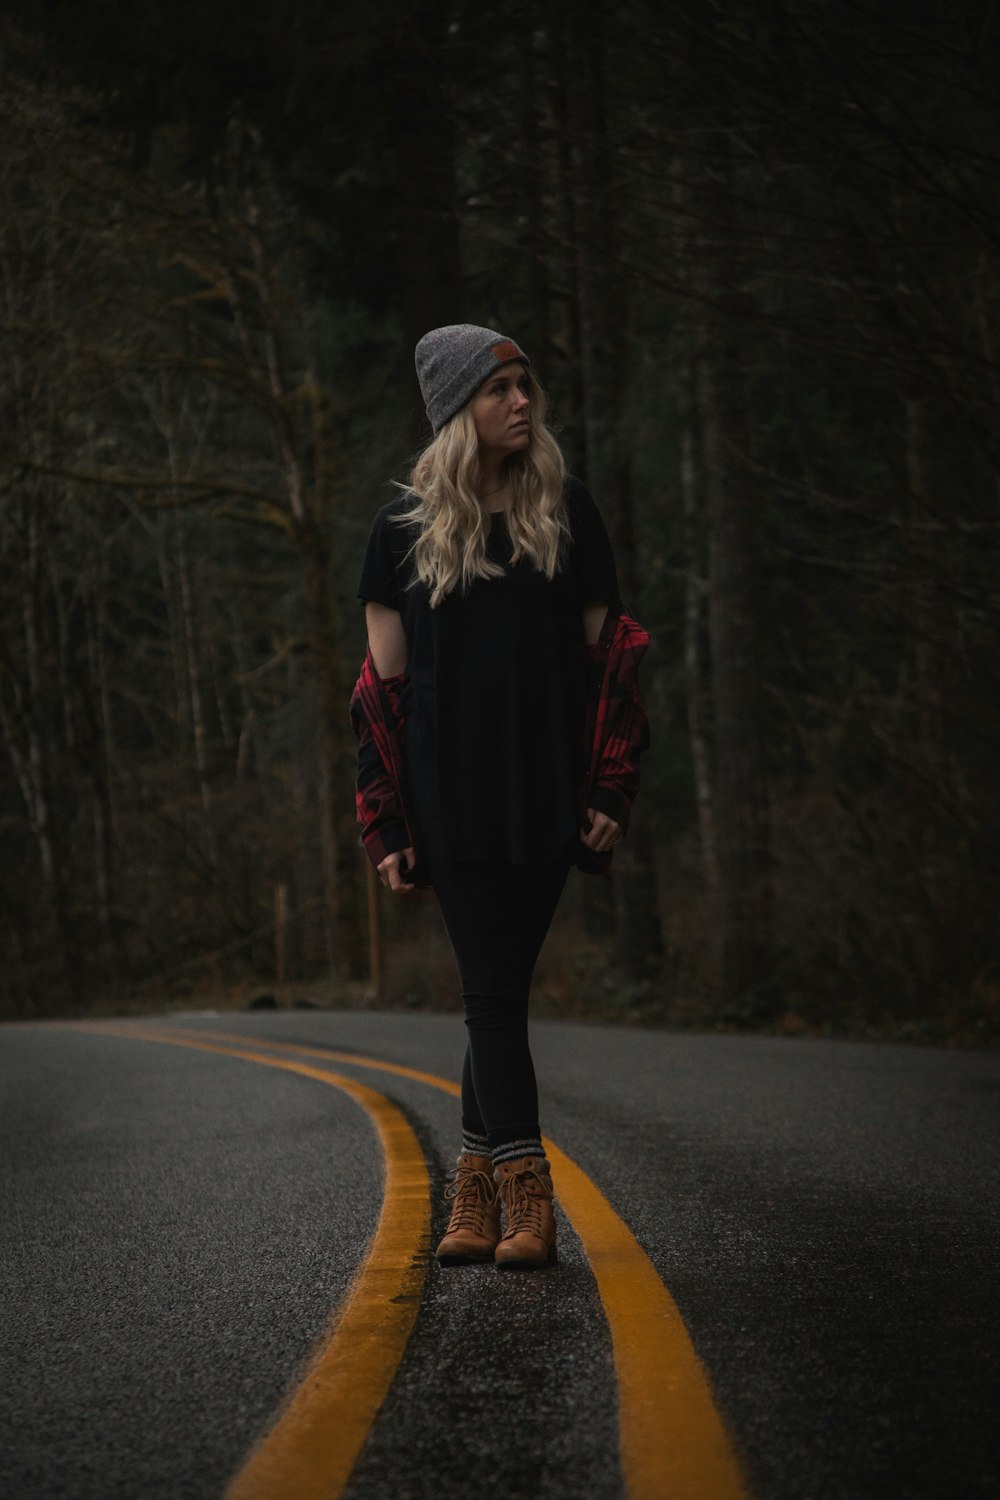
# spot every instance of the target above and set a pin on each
(476, 1145)
(513, 1150)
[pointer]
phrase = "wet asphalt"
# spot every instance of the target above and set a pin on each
(177, 1227)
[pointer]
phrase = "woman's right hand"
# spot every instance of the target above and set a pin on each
(394, 867)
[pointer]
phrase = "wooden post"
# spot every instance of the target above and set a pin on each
(374, 935)
(280, 933)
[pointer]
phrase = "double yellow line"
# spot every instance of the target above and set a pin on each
(673, 1444)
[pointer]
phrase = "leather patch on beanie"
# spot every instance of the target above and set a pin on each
(506, 351)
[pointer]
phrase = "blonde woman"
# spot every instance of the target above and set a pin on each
(500, 730)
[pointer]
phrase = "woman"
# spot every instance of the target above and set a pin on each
(500, 729)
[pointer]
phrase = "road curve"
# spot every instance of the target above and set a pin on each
(180, 1226)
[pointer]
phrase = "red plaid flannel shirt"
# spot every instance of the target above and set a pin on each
(617, 732)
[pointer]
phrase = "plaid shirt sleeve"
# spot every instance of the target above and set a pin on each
(617, 727)
(378, 723)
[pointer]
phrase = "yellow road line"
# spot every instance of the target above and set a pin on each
(672, 1440)
(673, 1443)
(317, 1434)
(360, 1060)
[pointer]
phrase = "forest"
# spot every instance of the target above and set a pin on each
(752, 249)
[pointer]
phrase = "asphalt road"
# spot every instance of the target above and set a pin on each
(177, 1227)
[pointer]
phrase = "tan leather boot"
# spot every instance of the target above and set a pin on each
(474, 1227)
(526, 1193)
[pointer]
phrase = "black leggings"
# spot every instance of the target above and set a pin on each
(496, 917)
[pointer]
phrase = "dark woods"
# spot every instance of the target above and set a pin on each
(753, 249)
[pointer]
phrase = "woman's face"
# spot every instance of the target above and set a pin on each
(501, 410)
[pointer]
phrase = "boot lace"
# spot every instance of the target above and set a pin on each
(472, 1191)
(523, 1204)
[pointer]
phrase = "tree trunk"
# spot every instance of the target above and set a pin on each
(428, 289)
(192, 664)
(44, 822)
(603, 325)
(574, 440)
(925, 559)
(341, 883)
(533, 81)
(743, 933)
(696, 687)
(97, 716)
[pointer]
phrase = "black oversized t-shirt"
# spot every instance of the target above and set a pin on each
(494, 688)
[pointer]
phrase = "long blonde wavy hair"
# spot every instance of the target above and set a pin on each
(450, 550)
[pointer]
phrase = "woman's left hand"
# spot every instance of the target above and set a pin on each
(603, 833)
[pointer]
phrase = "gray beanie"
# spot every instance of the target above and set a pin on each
(453, 361)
